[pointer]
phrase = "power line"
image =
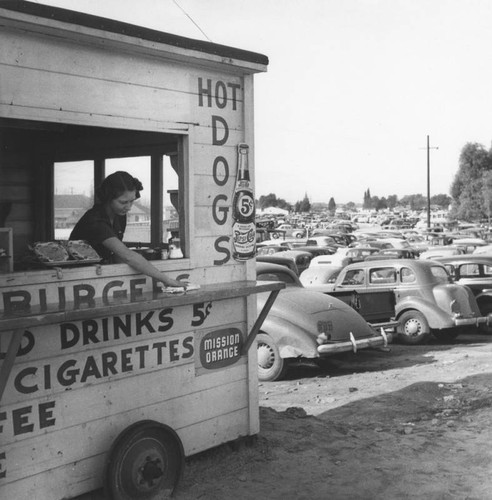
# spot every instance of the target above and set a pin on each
(192, 20)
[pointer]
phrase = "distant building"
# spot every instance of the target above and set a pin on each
(69, 208)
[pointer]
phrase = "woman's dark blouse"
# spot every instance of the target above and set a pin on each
(95, 227)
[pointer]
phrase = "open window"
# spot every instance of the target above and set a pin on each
(53, 170)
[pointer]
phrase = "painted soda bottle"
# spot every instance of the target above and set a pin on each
(243, 210)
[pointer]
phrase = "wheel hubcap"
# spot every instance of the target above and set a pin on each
(266, 356)
(413, 327)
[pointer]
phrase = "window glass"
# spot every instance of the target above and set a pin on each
(469, 270)
(407, 275)
(487, 270)
(354, 277)
(277, 276)
(138, 219)
(74, 194)
(382, 275)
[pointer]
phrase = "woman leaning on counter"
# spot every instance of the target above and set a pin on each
(103, 226)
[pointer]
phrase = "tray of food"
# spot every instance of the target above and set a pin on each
(63, 254)
(48, 252)
(80, 250)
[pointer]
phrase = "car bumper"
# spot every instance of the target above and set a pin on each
(481, 320)
(354, 345)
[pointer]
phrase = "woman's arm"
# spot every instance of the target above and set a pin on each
(139, 263)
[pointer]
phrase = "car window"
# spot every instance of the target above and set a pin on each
(440, 273)
(382, 275)
(487, 271)
(353, 277)
(276, 276)
(469, 270)
(407, 275)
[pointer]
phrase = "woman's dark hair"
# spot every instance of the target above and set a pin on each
(116, 184)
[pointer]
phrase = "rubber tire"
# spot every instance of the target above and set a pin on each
(274, 367)
(141, 443)
(409, 321)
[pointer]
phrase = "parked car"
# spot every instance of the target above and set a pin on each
(291, 232)
(270, 249)
(320, 274)
(303, 324)
(427, 302)
(295, 260)
(345, 256)
(280, 260)
(392, 253)
(314, 250)
(475, 272)
(325, 241)
(435, 252)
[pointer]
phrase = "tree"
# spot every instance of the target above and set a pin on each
(467, 190)
(271, 200)
(367, 200)
(304, 205)
(392, 201)
(332, 206)
(441, 200)
(414, 201)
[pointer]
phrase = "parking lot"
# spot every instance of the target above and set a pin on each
(414, 422)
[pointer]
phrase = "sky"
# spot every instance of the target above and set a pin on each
(353, 87)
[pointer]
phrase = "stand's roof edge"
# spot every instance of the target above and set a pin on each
(121, 28)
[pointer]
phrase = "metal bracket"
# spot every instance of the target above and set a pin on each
(259, 320)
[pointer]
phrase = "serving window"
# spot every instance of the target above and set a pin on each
(55, 169)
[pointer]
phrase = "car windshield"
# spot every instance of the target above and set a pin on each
(440, 274)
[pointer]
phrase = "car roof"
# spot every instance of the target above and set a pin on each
(395, 263)
(471, 257)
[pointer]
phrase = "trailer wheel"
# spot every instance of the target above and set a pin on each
(270, 365)
(145, 462)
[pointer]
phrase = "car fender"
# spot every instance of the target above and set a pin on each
(436, 317)
(292, 341)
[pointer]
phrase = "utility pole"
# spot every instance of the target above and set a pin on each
(428, 184)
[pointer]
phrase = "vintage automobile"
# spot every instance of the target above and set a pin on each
(427, 301)
(307, 325)
(435, 252)
(300, 258)
(344, 256)
(320, 274)
(325, 241)
(393, 253)
(475, 272)
(291, 231)
(314, 250)
(270, 249)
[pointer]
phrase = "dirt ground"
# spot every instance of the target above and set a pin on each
(415, 422)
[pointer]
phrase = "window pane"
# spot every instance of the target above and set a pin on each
(138, 219)
(74, 194)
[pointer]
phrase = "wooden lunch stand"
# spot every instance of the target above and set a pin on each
(106, 378)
